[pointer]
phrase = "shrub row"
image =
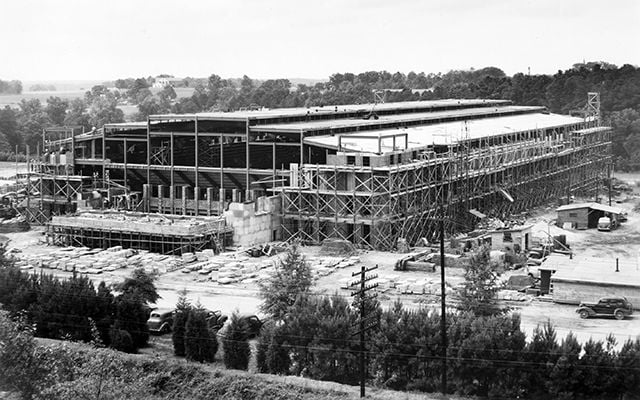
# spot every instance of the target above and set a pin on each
(487, 356)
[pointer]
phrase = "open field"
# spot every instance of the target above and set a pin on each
(12, 100)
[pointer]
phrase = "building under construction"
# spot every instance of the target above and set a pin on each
(370, 174)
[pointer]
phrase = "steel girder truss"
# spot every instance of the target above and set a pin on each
(373, 207)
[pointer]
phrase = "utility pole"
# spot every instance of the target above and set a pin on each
(364, 324)
(610, 177)
(443, 318)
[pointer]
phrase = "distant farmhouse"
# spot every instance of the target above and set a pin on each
(164, 82)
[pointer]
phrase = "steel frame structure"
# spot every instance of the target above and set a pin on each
(373, 207)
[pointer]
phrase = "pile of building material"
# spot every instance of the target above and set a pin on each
(96, 261)
(228, 268)
(337, 247)
(15, 224)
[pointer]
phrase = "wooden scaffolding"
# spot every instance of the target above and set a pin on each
(497, 175)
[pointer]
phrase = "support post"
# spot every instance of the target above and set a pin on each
(146, 193)
(184, 200)
(160, 199)
(443, 306)
(196, 198)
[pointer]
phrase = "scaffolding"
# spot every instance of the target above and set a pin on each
(497, 175)
(166, 234)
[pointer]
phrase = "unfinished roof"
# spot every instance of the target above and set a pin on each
(333, 109)
(426, 117)
(127, 125)
(593, 206)
(446, 133)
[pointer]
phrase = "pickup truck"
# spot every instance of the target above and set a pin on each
(619, 307)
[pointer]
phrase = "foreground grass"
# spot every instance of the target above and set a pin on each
(107, 374)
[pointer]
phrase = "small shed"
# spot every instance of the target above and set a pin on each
(515, 239)
(587, 279)
(586, 215)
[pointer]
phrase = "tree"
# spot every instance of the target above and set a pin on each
(95, 93)
(32, 119)
(131, 315)
(292, 277)
(104, 110)
(140, 284)
(183, 308)
(272, 356)
(626, 137)
(77, 114)
(199, 343)
(235, 344)
(478, 293)
(56, 109)
(10, 87)
(20, 368)
(139, 84)
(10, 136)
(168, 92)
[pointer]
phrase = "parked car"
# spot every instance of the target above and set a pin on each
(252, 325)
(605, 224)
(161, 320)
(216, 320)
(619, 307)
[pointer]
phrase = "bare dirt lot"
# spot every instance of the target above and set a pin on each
(534, 311)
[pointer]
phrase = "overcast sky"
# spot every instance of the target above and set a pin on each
(85, 39)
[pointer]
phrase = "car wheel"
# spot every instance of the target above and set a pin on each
(584, 314)
(165, 329)
(619, 315)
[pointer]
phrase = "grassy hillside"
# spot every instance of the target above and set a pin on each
(80, 371)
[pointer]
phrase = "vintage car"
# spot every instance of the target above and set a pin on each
(619, 307)
(160, 320)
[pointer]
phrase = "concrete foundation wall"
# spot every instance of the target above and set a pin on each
(255, 222)
(575, 292)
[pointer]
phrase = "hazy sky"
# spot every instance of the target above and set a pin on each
(85, 39)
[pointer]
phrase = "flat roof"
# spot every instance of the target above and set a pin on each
(127, 125)
(512, 229)
(593, 270)
(444, 133)
(593, 130)
(595, 206)
(306, 126)
(331, 109)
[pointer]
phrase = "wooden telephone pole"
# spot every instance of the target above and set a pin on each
(364, 323)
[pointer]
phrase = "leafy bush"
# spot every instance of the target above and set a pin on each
(121, 340)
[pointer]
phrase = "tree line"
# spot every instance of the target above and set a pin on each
(487, 351)
(74, 309)
(564, 92)
(10, 87)
(311, 335)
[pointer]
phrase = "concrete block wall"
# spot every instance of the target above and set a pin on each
(255, 222)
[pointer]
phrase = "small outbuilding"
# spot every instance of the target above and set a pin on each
(586, 215)
(578, 279)
(515, 239)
